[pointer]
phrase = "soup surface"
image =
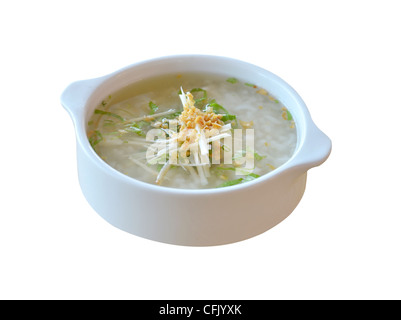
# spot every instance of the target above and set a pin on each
(193, 131)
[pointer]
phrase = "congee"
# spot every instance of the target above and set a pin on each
(193, 131)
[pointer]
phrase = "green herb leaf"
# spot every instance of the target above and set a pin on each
(258, 157)
(199, 99)
(225, 168)
(153, 107)
(107, 123)
(136, 127)
(289, 116)
(228, 117)
(225, 148)
(141, 124)
(217, 108)
(199, 90)
(95, 138)
(105, 101)
(173, 115)
(110, 114)
(250, 85)
(232, 80)
(249, 177)
(231, 183)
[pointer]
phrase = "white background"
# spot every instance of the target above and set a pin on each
(341, 242)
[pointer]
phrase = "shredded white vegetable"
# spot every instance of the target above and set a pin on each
(198, 143)
(153, 116)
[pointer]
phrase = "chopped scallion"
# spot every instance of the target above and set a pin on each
(136, 127)
(231, 183)
(199, 98)
(95, 138)
(219, 109)
(249, 177)
(141, 124)
(153, 107)
(108, 123)
(107, 113)
(173, 115)
(226, 168)
(228, 117)
(258, 157)
(225, 148)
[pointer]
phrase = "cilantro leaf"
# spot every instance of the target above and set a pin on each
(249, 177)
(199, 98)
(95, 138)
(258, 157)
(153, 107)
(106, 113)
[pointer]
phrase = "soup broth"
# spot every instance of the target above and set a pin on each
(193, 131)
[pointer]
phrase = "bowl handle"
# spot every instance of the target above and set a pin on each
(75, 96)
(315, 149)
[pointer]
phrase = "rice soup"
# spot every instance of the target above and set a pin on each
(192, 131)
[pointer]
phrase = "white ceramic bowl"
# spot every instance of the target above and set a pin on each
(193, 217)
